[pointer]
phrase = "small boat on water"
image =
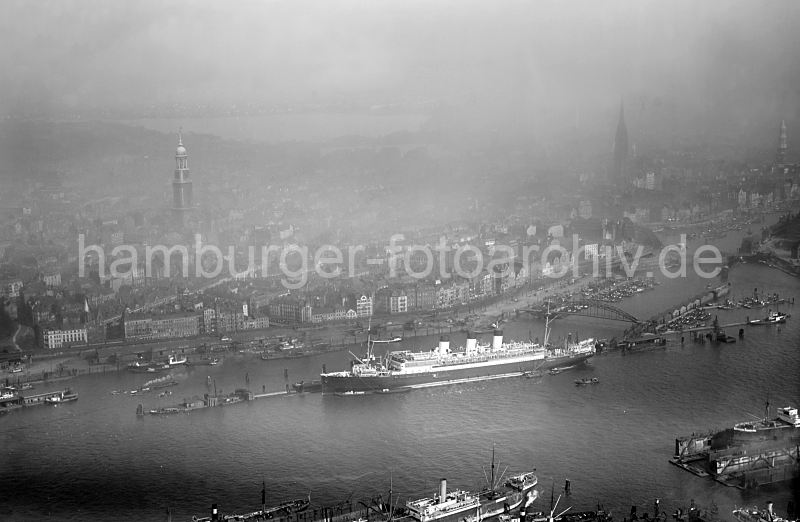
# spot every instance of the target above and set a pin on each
(175, 360)
(392, 340)
(771, 318)
(146, 367)
(65, 396)
(308, 387)
(585, 381)
(203, 362)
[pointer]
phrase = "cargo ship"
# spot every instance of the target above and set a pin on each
(784, 427)
(442, 365)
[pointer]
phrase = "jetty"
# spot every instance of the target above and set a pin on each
(10, 401)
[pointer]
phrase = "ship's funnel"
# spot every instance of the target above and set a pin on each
(442, 490)
(214, 514)
(529, 498)
(472, 342)
(444, 344)
(497, 340)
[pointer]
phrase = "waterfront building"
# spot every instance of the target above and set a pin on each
(425, 296)
(398, 302)
(338, 313)
(208, 324)
(52, 339)
(364, 306)
(234, 321)
(289, 309)
(170, 326)
(181, 185)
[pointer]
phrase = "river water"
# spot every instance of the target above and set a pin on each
(95, 460)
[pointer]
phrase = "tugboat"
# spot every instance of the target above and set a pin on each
(65, 396)
(771, 318)
(175, 360)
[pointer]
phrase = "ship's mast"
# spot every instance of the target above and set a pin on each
(547, 326)
(491, 485)
(369, 339)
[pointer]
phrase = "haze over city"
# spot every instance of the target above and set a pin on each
(717, 69)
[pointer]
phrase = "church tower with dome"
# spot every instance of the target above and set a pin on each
(181, 185)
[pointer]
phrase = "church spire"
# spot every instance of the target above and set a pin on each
(620, 145)
(780, 158)
(181, 183)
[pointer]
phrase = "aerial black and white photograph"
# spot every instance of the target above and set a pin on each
(400, 261)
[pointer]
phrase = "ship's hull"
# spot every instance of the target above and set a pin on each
(731, 437)
(502, 501)
(346, 382)
(565, 360)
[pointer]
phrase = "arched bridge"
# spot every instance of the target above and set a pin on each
(584, 307)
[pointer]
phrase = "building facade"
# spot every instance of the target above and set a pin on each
(53, 339)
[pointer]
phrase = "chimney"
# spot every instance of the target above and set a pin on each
(497, 340)
(442, 490)
(472, 342)
(444, 344)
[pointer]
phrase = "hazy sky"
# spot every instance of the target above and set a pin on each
(729, 61)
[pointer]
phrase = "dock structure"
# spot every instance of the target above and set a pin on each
(742, 465)
(16, 401)
(41, 398)
(675, 312)
(213, 401)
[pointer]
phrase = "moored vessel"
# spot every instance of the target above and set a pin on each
(755, 514)
(442, 365)
(785, 426)
(176, 360)
(771, 318)
(65, 396)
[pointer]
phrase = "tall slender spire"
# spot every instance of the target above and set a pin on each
(181, 183)
(620, 145)
(780, 158)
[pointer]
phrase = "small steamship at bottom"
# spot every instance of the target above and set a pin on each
(444, 506)
(475, 360)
